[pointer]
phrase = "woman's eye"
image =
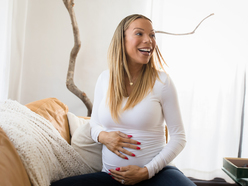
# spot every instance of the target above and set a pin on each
(139, 34)
(153, 35)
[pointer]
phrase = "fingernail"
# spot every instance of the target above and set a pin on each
(109, 173)
(113, 177)
(138, 148)
(129, 136)
(118, 168)
(138, 143)
(109, 170)
(133, 154)
(126, 158)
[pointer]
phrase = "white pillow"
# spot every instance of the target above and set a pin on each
(82, 142)
(74, 122)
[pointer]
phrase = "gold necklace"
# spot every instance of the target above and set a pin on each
(131, 82)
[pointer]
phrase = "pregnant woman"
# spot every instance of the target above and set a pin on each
(132, 103)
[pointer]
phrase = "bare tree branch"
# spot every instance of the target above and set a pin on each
(162, 32)
(69, 4)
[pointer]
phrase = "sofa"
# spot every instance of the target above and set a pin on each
(12, 170)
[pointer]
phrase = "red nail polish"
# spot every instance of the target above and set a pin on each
(138, 143)
(118, 168)
(126, 158)
(138, 148)
(133, 154)
(129, 136)
(109, 173)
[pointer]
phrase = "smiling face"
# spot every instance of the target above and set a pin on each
(139, 42)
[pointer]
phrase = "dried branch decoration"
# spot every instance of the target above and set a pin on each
(162, 32)
(69, 4)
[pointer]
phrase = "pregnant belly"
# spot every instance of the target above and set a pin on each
(149, 149)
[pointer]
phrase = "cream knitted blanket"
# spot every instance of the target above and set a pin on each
(46, 156)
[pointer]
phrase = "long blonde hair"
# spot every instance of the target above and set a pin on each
(118, 69)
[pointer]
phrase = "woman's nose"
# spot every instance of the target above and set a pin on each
(147, 39)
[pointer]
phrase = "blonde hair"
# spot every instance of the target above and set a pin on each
(118, 68)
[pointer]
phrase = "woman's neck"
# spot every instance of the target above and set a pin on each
(134, 70)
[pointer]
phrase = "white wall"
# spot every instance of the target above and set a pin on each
(49, 40)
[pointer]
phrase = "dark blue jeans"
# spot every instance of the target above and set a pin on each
(168, 176)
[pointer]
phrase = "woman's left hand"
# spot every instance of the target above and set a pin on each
(131, 174)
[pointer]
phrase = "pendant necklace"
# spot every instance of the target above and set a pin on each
(131, 82)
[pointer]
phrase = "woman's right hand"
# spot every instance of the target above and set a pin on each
(116, 140)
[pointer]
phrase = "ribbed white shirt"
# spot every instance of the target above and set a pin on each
(145, 122)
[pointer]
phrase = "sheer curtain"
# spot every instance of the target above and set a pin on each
(208, 69)
(12, 36)
(5, 32)
(244, 147)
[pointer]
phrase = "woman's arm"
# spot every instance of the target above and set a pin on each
(172, 115)
(95, 125)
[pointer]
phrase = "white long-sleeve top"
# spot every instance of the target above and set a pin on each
(145, 122)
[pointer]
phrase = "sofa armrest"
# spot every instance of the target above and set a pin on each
(12, 171)
(56, 112)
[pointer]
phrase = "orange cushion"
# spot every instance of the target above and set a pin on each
(56, 112)
(12, 171)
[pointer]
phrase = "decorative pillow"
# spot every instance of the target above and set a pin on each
(75, 122)
(82, 142)
(11, 167)
(55, 111)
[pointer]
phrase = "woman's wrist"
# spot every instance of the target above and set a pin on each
(101, 137)
(145, 173)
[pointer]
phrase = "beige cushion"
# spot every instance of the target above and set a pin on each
(56, 112)
(75, 122)
(82, 142)
(12, 171)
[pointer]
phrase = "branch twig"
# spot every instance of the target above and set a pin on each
(162, 32)
(69, 4)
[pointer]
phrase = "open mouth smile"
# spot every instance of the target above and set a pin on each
(146, 51)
